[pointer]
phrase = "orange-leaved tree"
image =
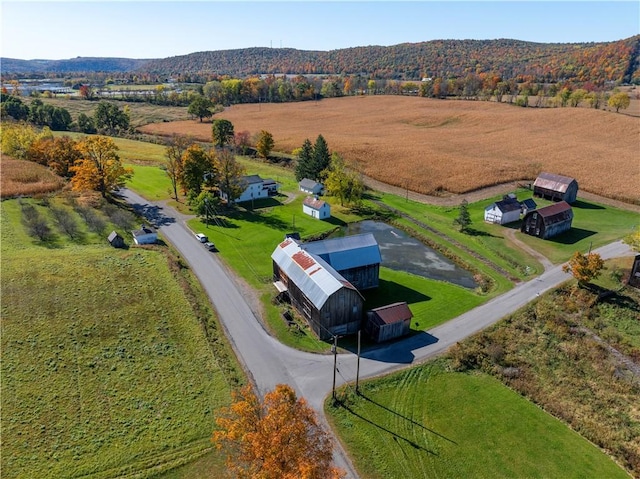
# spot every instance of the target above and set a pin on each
(99, 167)
(279, 438)
(584, 267)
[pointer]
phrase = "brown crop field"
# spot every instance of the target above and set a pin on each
(447, 146)
(20, 177)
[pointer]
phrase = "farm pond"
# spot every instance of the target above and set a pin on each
(401, 252)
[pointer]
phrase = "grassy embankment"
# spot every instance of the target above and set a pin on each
(106, 368)
(450, 418)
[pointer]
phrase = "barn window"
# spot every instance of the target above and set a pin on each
(355, 309)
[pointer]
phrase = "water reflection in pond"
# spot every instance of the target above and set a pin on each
(404, 253)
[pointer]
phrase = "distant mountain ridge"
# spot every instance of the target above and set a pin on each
(72, 65)
(596, 62)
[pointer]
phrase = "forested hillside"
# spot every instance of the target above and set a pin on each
(582, 62)
(597, 63)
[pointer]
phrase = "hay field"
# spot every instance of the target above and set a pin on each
(440, 147)
(20, 177)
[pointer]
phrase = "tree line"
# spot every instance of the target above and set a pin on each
(107, 118)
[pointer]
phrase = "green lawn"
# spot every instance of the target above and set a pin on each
(151, 182)
(426, 422)
(593, 225)
(431, 302)
(105, 367)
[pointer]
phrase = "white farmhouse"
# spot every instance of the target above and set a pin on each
(255, 188)
(503, 212)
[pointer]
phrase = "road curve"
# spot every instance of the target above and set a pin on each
(269, 362)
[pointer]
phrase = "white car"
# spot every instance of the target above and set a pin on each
(202, 238)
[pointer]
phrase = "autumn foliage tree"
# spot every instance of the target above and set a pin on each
(99, 167)
(59, 153)
(229, 173)
(196, 163)
(279, 438)
(619, 100)
(174, 167)
(265, 143)
(584, 267)
(343, 183)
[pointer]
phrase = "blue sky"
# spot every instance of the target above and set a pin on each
(151, 29)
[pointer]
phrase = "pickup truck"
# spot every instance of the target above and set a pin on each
(201, 237)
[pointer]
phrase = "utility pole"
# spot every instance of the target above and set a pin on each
(358, 366)
(335, 365)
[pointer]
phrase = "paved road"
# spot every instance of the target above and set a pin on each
(270, 363)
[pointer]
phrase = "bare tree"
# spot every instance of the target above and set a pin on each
(66, 222)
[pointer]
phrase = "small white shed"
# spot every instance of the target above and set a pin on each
(145, 235)
(316, 208)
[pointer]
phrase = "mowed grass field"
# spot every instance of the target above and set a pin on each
(427, 422)
(106, 370)
(141, 113)
(435, 146)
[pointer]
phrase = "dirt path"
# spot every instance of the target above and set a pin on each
(511, 234)
(477, 195)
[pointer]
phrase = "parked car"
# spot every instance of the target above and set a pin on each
(201, 237)
(210, 246)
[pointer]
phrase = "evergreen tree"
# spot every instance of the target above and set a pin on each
(321, 159)
(305, 159)
(464, 218)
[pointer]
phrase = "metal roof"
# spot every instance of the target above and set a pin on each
(392, 313)
(308, 184)
(314, 203)
(550, 181)
(347, 252)
(554, 209)
(315, 278)
(508, 204)
(251, 179)
(144, 230)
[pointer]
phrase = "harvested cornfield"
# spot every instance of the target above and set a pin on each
(440, 147)
(20, 177)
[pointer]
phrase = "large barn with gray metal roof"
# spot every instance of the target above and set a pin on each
(330, 304)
